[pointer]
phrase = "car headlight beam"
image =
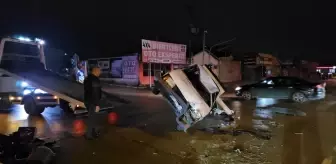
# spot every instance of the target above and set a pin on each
(238, 88)
(24, 84)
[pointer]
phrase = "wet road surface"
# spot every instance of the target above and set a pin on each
(145, 133)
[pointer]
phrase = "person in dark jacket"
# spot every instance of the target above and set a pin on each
(92, 96)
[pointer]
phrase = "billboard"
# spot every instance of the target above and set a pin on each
(104, 65)
(161, 52)
(125, 67)
(116, 68)
(130, 67)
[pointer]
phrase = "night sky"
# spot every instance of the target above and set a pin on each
(299, 28)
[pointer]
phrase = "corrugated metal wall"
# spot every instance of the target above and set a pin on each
(229, 71)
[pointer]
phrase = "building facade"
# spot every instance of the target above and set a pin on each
(140, 69)
(260, 65)
(229, 70)
(157, 57)
(206, 57)
(225, 68)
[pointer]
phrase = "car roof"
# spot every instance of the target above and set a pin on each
(288, 77)
(284, 77)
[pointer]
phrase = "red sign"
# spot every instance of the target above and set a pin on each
(161, 52)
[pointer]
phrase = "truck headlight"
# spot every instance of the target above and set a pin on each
(194, 111)
(38, 91)
(24, 84)
(238, 88)
(26, 92)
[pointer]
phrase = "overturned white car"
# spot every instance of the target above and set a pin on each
(193, 92)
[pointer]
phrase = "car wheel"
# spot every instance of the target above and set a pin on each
(31, 108)
(65, 106)
(299, 97)
(155, 91)
(247, 95)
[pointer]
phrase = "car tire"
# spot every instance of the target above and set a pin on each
(155, 91)
(64, 105)
(299, 97)
(247, 95)
(31, 108)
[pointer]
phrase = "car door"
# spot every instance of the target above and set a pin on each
(281, 88)
(261, 89)
(290, 85)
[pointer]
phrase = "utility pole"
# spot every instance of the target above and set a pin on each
(204, 34)
(150, 65)
(190, 53)
(204, 27)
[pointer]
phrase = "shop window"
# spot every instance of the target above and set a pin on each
(147, 69)
(165, 67)
(180, 66)
(154, 68)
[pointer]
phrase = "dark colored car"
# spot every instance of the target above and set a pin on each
(292, 88)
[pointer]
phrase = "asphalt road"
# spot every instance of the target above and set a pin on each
(145, 132)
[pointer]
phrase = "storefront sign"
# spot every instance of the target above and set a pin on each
(161, 52)
(116, 67)
(121, 70)
(130, 67)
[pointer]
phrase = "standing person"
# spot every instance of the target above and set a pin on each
(92, 96)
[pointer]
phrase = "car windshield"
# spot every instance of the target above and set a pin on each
(21, 55)
(267, 81)
(20, 49)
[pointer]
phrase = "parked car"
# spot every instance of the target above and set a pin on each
(293, 88)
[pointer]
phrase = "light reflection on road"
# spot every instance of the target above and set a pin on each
(260, 115)
(299, 135)
(21, 115)
(265, 102)
(47, 125)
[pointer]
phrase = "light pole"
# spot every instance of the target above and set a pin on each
(204, 34)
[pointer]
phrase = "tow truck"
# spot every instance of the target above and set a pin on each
(24, 79)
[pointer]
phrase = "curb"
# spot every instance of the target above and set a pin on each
(229, 95)
(128, 86)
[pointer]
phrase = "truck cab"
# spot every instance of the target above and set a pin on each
(18, 91)
(22, 60)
